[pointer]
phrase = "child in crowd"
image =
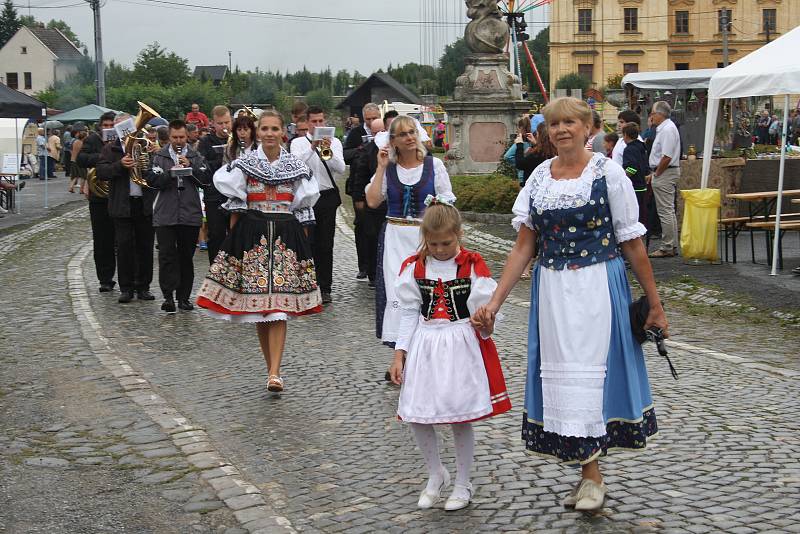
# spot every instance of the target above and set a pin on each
(636, 166)
(448, 367)
(609, 142)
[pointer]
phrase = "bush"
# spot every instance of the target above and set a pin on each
(494, 193)
(574, 81)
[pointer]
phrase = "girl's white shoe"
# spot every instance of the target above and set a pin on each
(427, 499)
(459, 499)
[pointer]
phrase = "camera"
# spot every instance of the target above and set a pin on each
(656, 335)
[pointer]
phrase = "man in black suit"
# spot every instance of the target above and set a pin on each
(211, 147)
(105, 261)
(356, 139)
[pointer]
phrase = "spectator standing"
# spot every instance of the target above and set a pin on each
(665, 161)
(299, 109)
(762, 127)
(795, 127)
(541, 150)
(439, 132)
(636, 167)
(775, 129)
(623, 118)
(53, 152)
(41, 153)
(66, 155)
(76, 173)
(610, 141)
(196, 117)
(592, 144)
(193, 136)
(523, 132)
(326, 171)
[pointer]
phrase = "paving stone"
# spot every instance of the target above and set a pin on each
(203, 506)
(46, 462)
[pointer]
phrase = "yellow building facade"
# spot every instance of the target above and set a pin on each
(604, 38)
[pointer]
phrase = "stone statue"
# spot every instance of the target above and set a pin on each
(486, 33)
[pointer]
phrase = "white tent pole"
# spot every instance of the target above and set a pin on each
(19, 162)
(46, 159)
(708, 143)
(776, 236)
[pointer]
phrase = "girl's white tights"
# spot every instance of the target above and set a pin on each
(428, 443)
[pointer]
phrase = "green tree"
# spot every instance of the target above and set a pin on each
(9, 23)
(451, 66)
(320, 97)
(341, 83)
(540, 50)
(117, 74)
(29, 21)
(573, 81)
(155, 66)
(64, 28)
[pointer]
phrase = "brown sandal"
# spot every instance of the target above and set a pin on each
(661, 254)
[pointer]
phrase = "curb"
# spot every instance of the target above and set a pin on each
(488, 218)
(244, 499)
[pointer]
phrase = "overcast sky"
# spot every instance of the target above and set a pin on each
(267, 42)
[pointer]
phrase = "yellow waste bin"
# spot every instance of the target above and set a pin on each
(699, 229)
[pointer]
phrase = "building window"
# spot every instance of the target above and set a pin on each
(584, 20)
(627, 68)
(768, 16)
(724, 14)
(681, 66)
(631, 19)
(587, 71)
(681, 22)
(11, 80)
(28, 81)
(24, 50)
(720, 65)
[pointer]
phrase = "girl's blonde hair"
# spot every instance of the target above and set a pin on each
(438, 218)
(567, 107)
(270, 113)
(404, 123)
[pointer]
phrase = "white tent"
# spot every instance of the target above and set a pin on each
(670, 79)
(771, 70)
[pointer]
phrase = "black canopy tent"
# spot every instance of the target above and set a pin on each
(16, 105)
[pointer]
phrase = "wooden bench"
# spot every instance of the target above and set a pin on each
(769, 228)
(732, 227)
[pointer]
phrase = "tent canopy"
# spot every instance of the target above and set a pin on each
(670, 79)
(16, 105)
(88, 113)
(773, 69)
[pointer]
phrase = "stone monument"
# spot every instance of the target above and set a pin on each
(488, 98)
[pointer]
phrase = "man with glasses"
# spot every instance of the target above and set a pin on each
(326, 172)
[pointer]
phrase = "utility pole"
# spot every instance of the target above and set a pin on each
(724, 22)
(100, 71)
(230, 62)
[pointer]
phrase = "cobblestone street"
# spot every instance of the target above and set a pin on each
(119, 418)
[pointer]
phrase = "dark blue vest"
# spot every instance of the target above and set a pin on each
(409, 200)
(576, 237)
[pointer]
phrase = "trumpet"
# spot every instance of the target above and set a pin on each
(325, 152)
(178, 152)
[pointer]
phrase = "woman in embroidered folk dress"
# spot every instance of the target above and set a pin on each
(449, 372)
(587, 388)
(264, 271)
(244, 138)
(404, 178)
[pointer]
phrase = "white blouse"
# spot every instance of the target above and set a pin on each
(441, 180)
(549, 194)
(233, 184)
(410, 298)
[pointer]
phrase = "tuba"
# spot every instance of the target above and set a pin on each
(136, 144)
(98, 188)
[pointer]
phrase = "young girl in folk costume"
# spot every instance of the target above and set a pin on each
(264, 271)
(243, 138)
(448, 368)
(405, 176)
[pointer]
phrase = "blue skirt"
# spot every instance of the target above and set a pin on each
(627, 403)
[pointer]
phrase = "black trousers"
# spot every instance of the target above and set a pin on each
(359, 229)
(105, 260)
(322, 244)
(176, 245)
(134, 249)
(372, 220)
(217, 220)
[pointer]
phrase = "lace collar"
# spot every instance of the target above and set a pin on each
(547, 193)
(256, 165)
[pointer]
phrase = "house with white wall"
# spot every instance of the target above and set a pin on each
(35, 58)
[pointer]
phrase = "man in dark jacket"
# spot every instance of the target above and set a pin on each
(636, 166)
(105, 263)
(177, 173)
(131, 208)
(357, 138)
(363, 169)
(212, 148)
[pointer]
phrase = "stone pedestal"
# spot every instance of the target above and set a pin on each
(483, 114)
